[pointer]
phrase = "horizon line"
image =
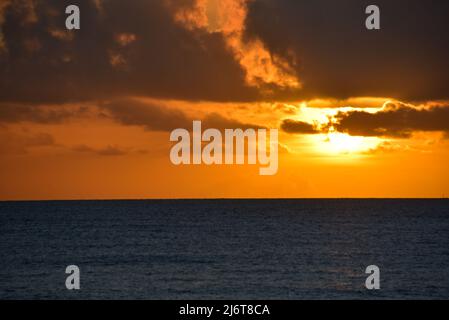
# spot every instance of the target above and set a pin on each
(221, 199)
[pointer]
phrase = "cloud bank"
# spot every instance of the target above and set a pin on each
(230, 50)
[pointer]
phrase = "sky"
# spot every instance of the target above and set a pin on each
(87, 114)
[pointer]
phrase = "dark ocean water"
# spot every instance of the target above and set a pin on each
(225, 249)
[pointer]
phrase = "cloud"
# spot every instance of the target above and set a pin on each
(44, 114)
(151, 116)
(133, 48)
(223, 51)
(228, 17)
(339, 58)
(107, 151)
(217, 121)
(3, 6)
(394, 120)
(159, 117)
(386, 147)
(20, 143)
(299, 127)
(285, 108)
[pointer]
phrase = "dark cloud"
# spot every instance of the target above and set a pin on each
(338, 57)
(151, 116)
(217, 121)
(19, 143)
(397, 120)
(126, 48)
(158, 117)
(299, 127)
(135, 48)
(44, 114)
(107, 151)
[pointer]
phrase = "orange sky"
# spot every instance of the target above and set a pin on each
(77, 164)
(112, 142)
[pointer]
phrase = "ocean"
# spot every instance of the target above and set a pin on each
(225, 249)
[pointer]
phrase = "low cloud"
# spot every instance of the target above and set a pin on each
(395, 120)
(299, 127)
(386, 147)
(107, 151)
(20, 143)
(43, 114)
(151, 116)
(217, 121)
(158, 117)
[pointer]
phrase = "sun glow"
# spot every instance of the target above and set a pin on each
(343, 143)
(337, 143)
(331, 142)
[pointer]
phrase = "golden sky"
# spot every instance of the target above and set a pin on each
(87, 114)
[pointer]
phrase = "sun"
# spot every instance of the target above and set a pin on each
(344, 143)
(330, 142)
(337, 143)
